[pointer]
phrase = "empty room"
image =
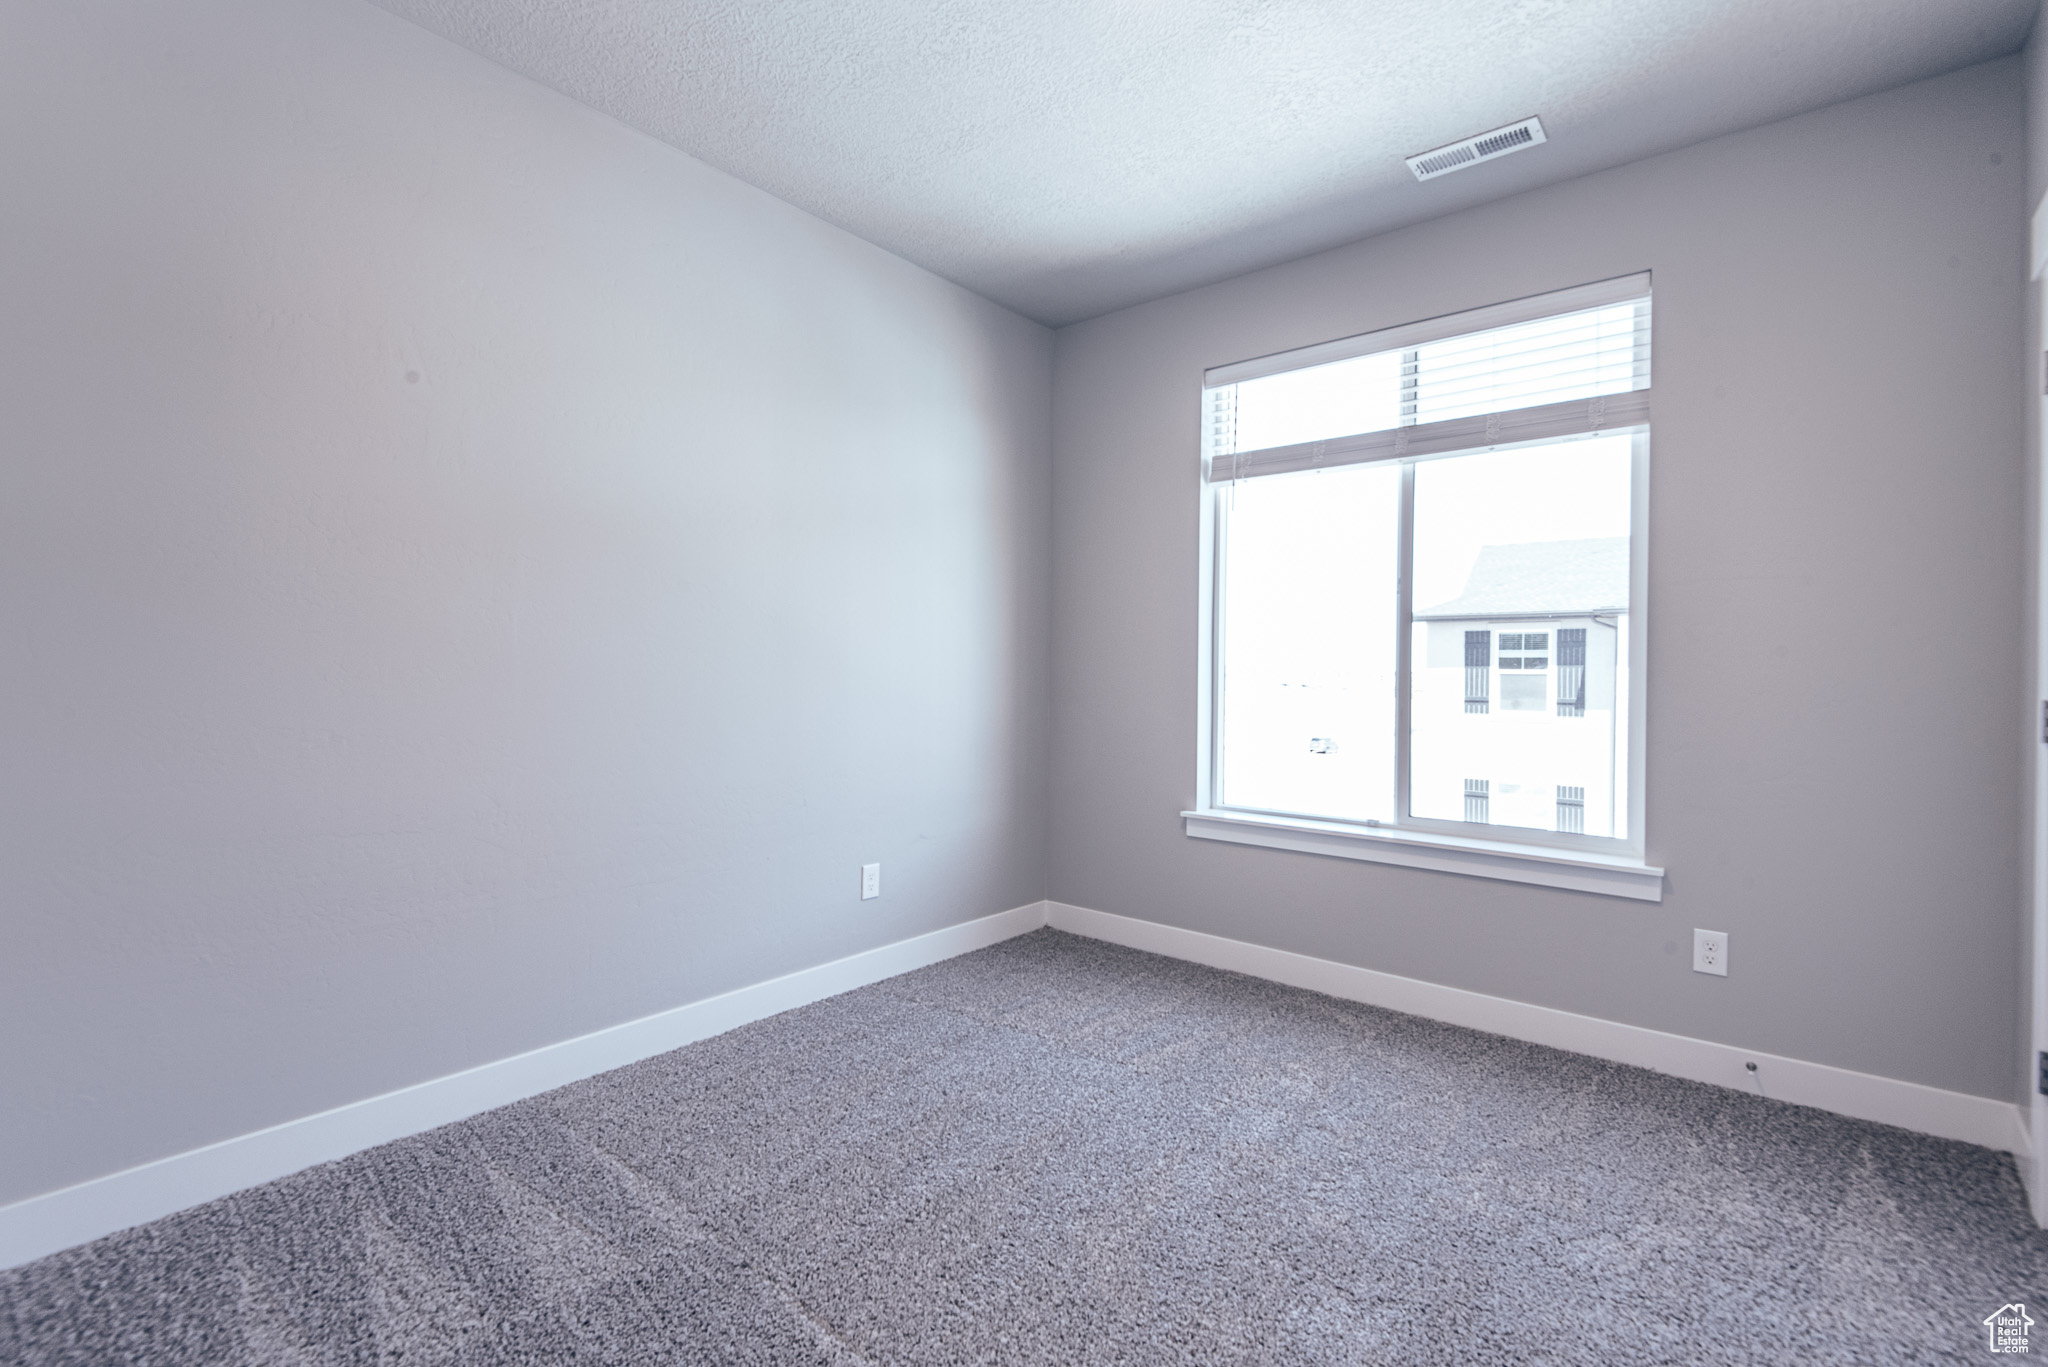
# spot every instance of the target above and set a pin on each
(877, 683)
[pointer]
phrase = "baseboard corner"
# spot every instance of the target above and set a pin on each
(48, 1223)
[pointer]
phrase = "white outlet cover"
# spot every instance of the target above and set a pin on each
(870, 881)
(1710, 952)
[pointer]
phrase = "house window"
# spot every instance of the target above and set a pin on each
(1426, 563)
(1522, 692)
(1535, 643)
(1523, 687)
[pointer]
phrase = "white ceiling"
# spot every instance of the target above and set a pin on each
(1068, 157)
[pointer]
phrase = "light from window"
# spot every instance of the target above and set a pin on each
(1508, 540)
(1362, 394)
(1307, 657)
(1423, 569)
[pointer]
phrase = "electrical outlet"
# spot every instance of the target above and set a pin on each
(870, 881)
(1710, 952)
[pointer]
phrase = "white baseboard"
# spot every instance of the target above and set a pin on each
(57, 1220)
(73, 1215)
(1908, 1105)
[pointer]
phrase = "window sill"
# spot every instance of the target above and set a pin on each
(1612, 875)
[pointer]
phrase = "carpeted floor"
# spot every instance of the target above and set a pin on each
(1057, 1151)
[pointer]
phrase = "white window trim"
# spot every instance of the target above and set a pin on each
(1526, 310)
(1621, 870)
(1579, 870)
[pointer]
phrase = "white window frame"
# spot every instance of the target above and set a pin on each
(1546, 858)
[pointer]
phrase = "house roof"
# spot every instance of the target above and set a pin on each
(1542, 579)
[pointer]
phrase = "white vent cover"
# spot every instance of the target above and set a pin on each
(1497, 142)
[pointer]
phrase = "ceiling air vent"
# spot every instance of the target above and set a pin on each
(1498, 142)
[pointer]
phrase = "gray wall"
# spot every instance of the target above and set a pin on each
(1835, 560)
(471, 575)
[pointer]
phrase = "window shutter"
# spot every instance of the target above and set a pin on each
(1478, 661)
(1571, 809)
(1477, 793)
(1571, 672)
(1573, 356)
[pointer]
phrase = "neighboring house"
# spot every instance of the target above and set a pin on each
(1520, 715)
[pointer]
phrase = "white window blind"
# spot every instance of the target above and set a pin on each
(1556, 365)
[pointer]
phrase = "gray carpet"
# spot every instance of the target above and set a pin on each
(1057, 1151)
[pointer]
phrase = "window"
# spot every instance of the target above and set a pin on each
(1525, 689)
(1422, 623)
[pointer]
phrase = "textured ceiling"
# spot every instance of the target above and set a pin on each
(1068, 157)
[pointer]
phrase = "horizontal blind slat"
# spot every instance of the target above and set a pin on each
(1603, 351)
(1492, 317)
